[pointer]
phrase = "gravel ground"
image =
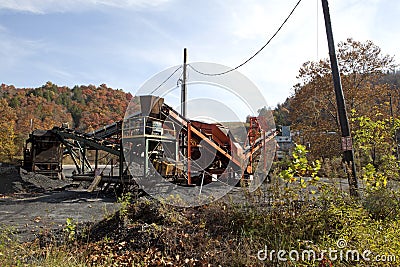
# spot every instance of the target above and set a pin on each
(34, 205)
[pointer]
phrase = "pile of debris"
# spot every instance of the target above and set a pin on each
(15, 180)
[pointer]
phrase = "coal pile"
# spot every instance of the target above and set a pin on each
(14, 180)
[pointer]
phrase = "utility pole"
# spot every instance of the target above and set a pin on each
(347, 147)
(183, 113)
(183, 86)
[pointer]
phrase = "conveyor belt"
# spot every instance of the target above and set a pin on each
(88, 140)
(184, 122)
(108, 130)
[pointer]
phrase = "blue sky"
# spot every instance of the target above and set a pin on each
(123, 43)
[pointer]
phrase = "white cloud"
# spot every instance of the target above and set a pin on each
(303, 38)
(257, 19)
(129, 3)
(53, 6)
(251, 23)
(136, 45)
(2, 28)
(19, 49)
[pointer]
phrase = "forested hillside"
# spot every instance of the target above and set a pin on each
(83, 107)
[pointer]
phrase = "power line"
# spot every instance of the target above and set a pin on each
(255, 54)
(169, 77)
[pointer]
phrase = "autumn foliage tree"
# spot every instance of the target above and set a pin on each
(314, 113)
(8, 149)
(84, 108)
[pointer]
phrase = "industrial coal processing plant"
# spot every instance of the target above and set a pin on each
(155, 141)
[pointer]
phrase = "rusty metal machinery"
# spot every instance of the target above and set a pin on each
(157, 139)
(43, 153)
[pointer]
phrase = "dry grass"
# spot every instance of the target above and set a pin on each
(151, 233)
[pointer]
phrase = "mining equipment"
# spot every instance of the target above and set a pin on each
(154, 140)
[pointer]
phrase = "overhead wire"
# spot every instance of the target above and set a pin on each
(169, 77)
(255, 54)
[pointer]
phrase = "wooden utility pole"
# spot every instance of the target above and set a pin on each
(347, 147)
(183, 113)
(183, 87)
